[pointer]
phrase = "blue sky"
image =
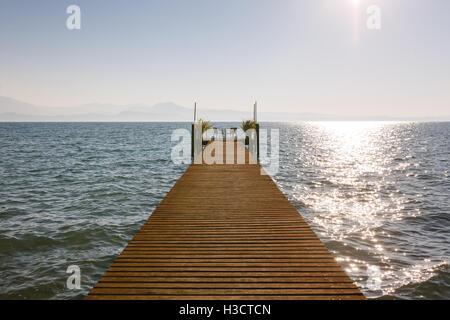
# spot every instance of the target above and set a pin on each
(290, 55)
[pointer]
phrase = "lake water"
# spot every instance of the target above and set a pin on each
(376, 193)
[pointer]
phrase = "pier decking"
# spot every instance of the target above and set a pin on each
(225, 232)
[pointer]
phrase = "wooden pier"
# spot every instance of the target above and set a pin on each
(225, 232)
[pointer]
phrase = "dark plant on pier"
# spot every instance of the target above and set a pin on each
(248, 124)
(206, 125)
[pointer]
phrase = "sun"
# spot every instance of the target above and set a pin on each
(355, 2)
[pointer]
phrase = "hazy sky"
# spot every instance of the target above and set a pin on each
(290, 55)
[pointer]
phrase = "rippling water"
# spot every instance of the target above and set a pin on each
(376, 193)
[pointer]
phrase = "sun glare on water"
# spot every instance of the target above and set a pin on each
(354, 198)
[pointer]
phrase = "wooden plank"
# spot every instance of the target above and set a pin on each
(228, 285)
(226, 297)
(224, 291)
(281, 281)
(224, 262)
(225, 232)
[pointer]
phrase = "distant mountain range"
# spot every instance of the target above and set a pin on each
(12, 110)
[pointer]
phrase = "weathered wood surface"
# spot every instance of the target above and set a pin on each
(225, 232)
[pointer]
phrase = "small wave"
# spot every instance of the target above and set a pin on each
(420, 280)
(26, 243)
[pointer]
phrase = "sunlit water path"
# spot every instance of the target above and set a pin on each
(378, 194)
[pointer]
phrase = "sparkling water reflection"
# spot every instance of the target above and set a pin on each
(377, 194)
